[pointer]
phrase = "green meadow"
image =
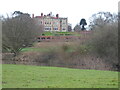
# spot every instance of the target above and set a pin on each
(25, 76)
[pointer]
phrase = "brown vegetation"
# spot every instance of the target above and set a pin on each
(61, 57)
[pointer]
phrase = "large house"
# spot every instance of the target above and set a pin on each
(52, 23)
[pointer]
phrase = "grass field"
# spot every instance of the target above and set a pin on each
(17, 76)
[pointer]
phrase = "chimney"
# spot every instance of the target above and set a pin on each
(57, 15)
(41, 14)
(32, 15)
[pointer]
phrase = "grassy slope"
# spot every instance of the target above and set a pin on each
(45, 48)
(16, 76)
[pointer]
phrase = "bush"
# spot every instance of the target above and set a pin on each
(83, 49)
(104, 43)
(65, 47)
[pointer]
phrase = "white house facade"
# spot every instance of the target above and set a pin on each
(51, 23)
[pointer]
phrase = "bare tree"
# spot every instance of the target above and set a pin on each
(19, 31)
(77, 28)
(100, 19)
(69, 27)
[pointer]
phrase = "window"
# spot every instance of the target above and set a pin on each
(55, 28)
(64, 23)
(55, 23)
(47, 28)
(47, 22)
(43, 38)
(48, 37)
(63, 28)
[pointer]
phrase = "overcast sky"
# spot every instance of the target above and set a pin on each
(73, 9)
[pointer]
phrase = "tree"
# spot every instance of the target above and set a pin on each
(69, 27)
(83, 23)
(19, 13)
(100, 19)
(104, 40)
(77, 28)
(19, 31)
(104, 43)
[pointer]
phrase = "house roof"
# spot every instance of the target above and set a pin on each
(52, 17)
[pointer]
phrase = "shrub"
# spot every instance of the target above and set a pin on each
(65, 47)
(82, 49)
(104, 43)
